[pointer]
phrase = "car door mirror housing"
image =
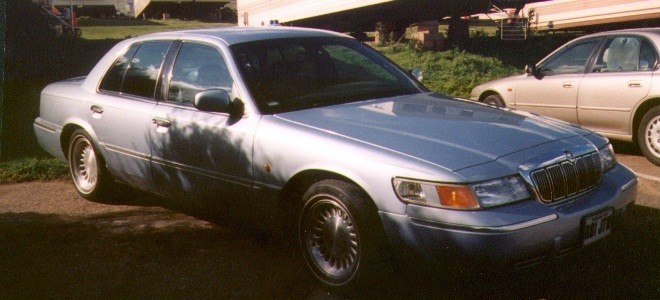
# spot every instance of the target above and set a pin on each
(417, 74)
(532, 70)
(213, 100)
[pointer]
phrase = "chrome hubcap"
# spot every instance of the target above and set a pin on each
(653, 136)
(331, 239)
(84, 167)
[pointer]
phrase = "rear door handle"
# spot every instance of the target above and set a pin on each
(634, 84)
(96, 111)
(567, 85)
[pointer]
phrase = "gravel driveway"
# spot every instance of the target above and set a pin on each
(54, 244)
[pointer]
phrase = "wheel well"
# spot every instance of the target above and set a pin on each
(639, 114)
(486, 94)
(66, 137)
(296, 187)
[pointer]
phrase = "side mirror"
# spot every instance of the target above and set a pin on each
(417, 73)
(532, 70)
(217, 100)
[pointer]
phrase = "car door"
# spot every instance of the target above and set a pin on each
(121, 111)
(206, 155)
(620, 78)
(553, 89)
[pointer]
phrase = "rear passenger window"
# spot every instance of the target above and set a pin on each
(113, 78)
(626, 54)
(136, 72)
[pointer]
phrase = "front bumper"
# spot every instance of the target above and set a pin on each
(514, 235)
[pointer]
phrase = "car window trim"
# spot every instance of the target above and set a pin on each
(166, 71)
(594, 55)
(126, 96)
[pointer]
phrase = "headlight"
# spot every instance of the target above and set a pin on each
(607, 158)
(456, 196)
(501, 191)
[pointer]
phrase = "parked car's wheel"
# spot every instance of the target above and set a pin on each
(341, 236)
(91, 179)
(495, 100)
(648, 135)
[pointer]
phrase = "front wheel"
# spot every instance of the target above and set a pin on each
(341, 236)
(648, 135)
(88, 172)
(495, 100)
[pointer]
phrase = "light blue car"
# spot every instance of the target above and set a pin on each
(315, 132)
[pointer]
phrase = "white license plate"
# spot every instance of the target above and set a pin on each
(597, 226)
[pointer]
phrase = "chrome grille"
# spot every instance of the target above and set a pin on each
(567, 178)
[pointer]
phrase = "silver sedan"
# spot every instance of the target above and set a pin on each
(607, 82)
(315, 133)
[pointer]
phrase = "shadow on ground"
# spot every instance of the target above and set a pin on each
(627, 148)
(152, 250)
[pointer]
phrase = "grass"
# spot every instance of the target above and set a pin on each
(98, 29)
(31, 169)
(452, 72)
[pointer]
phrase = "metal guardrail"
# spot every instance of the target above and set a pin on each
(513, 29)
(57, 23)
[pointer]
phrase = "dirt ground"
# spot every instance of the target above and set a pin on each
(54, 244)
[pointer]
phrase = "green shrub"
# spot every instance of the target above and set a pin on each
(29, 169)
(452, 72)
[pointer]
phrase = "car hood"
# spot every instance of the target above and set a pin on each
(450, 133)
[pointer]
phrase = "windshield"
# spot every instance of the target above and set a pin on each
(292, 74)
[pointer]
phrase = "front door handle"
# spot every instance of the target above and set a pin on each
(567, 85)
(96, 109)
(160, 122)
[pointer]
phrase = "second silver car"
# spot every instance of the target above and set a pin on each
(607, 82)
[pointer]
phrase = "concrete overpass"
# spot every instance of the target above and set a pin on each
(352, 16)
(592, 15)
(361, 16)
(152, 8)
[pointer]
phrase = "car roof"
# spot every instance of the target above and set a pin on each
(236, 35)
(644, 31)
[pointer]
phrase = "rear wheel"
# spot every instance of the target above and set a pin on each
(341, 235)
(648, 135)
(495, 100)
(91, 179)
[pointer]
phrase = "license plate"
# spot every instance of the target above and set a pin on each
(597, 226)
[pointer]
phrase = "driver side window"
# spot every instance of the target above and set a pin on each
(197, 67)
(572, 59)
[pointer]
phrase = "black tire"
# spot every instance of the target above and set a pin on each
(87, 167)
(341, 236)
(494, 100)
(648, 135)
